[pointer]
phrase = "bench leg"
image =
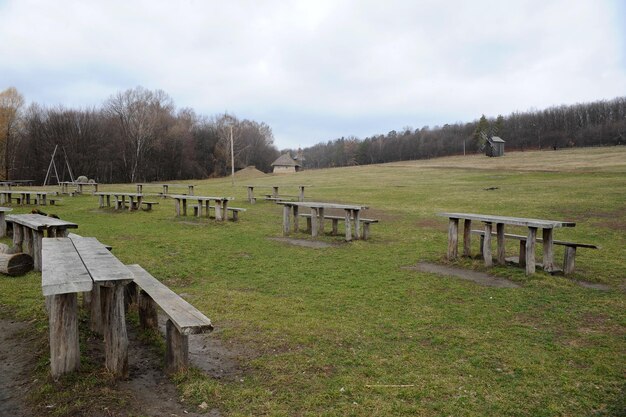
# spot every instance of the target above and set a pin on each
(321, 221)
(315, 228)
(37, 244)
(348, 226)
(308, 225)
(357, 223)
(530, 250)
(197, 211)
(487, 245)
(27, 243)
(366, 231)
(177, 207)
(101, 201)
(286, 221)
(548, 251)
(522, 253)
(236, 218)
(148, 318)
(501, 256)
(467, 238)
(18, 238)
(176, 350)
(96, 310)
(335, 227)
(63, 324)
(453, 238)
(115, 336)
(569, 263)
(296, 219)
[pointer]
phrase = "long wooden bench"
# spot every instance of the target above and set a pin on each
(569, 261)
(336, 219)
(183, 318)
(197, 211)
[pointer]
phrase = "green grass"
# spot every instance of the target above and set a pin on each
(319, 325)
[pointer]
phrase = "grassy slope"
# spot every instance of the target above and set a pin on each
(319, 325)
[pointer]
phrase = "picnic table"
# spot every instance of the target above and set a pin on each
(76, 265)
(25, 197)
(547, 227)
(166, 188)
(352, 212)
(79, 186)
(11, 183)
(29, 230)
(221, 204)
(274, 196)
(120, 200)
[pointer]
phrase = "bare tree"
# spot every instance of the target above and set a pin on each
(11, 102)
(141, 115)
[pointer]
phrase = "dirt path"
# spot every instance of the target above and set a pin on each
(17, 358)
(477, 277)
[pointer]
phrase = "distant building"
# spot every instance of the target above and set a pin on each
(495, 146)
(285, 165)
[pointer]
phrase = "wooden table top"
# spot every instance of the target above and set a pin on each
(314, 204)
(39, 222)
(198, 197)
(514, 221)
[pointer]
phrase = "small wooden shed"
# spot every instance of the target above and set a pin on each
(495, 146)
(285, 165)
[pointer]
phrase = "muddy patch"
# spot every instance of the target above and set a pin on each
(303, 242)
(17, 357)
(479, 278)
(593, 285)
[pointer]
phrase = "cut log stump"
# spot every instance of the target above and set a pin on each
(15, 264)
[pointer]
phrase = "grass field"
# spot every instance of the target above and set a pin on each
(334, 331)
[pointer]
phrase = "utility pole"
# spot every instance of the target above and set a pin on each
(232, 157)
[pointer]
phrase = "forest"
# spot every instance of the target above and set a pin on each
(600, 123)
(140, 135)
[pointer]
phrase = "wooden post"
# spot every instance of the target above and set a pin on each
(357, 224)
(101, 201)
(296, 219)
(275, 192)
(219, 215)
(315, 227)
(139, 188)
(115, 336)
(177, 206)
(335, 227)
(286, 222)
(453, 238)
(251, 198)
(37, 244)
(224, 210)
(17, 236)
(308, 225)
(301, 196)
(320, 212)
(63, 324)
(366, 231)
(148, 318)
(467, 238)
(27, 242)
(487, 245)
(530, 250)
(108, 200)
(190, 189)
(96, 308)
(348, 226)
(184, 207)
(522, 253)
(569, 263)
(501, 256)
(482, 245)
(548, 250)
(176, 350)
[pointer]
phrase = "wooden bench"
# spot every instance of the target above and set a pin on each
(197, 211)
(183, 318)
(569, 261)
(336, 219)
(75, 236)
(276, 199)
(149, 204)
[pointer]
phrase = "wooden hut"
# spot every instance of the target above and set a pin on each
(285, 165)
(495, 146)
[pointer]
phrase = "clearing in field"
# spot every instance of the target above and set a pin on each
(347, 329)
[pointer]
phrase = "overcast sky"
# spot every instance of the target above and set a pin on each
(317, 70)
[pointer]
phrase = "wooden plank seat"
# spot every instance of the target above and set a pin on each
(75, 236)
(197, 211)
(569, 261)
(270, 198)
(183, 318)
(148, 205)
(336, 219)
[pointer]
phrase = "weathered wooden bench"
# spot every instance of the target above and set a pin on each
(569, 261)
(75, 236)
(336, 219)
(183, 318)
(275, 199)
(197, 211)
(148, 204)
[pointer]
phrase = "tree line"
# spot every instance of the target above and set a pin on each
(134, 136)
(599, 123)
